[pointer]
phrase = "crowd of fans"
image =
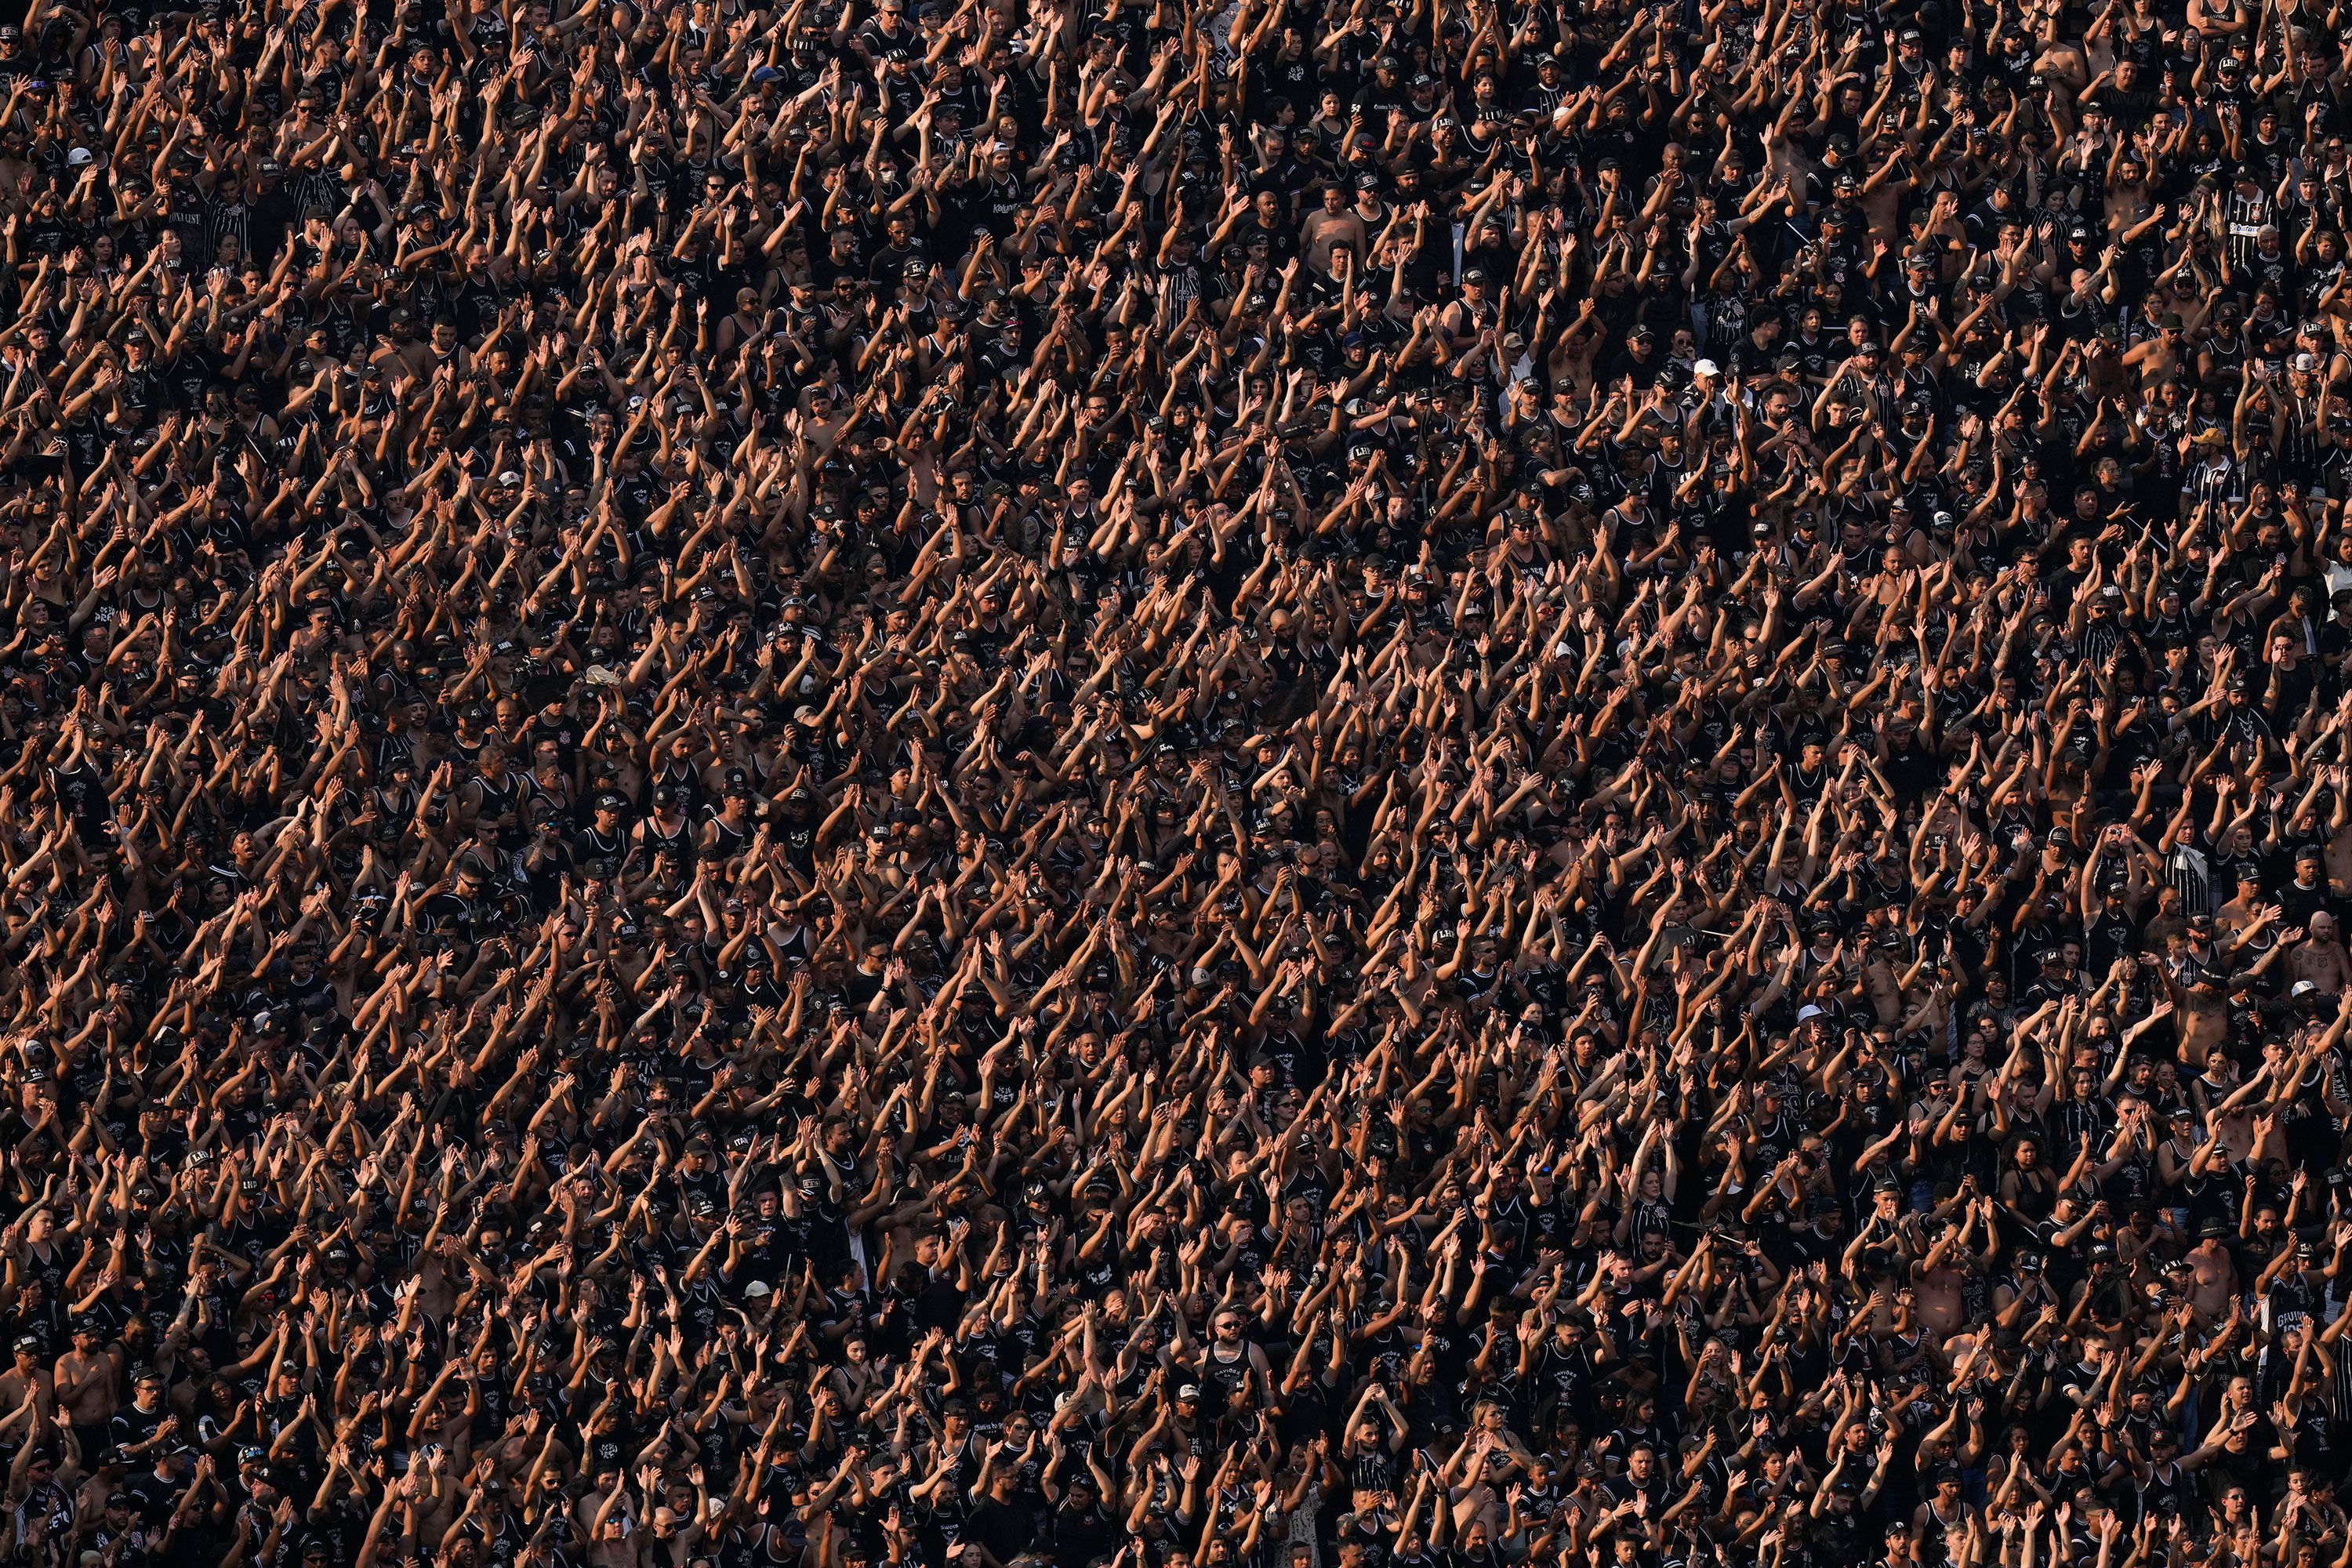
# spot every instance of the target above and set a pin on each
(1389, 784)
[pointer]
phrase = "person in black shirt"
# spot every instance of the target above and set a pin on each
(998, 1525)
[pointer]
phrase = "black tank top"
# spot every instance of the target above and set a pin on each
(679, 838)
(1229, 1378)
(726, 842)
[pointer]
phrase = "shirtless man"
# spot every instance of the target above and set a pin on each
(2213, 1272)
(2158, 358)
(2246, 916)
(2202, 1012)
(2320, 957)
(1878, 979)
(26, 1375)
(1937, 1276)
(1334, 222)
(87, 1377)
(2337, 856)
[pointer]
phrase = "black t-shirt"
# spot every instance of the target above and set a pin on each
(153, 1496)
(1079, 1536)
(2300, 903)
(133, 1426)
(1002, 1529)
